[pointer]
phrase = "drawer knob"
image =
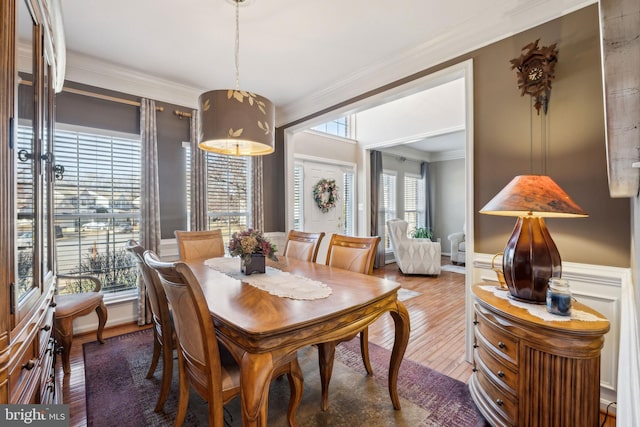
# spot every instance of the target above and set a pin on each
(501, 344)
(29, 365)
(501, 374)
(499, 402)
(46, 328)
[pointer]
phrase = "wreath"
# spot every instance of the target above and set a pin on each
(325, 193)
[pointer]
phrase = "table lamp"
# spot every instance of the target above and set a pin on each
(530, 256)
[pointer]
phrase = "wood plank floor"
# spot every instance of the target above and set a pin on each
(436, 340)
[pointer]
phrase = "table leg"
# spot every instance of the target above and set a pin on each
(255, 377)
(403, 327)
(326, 353)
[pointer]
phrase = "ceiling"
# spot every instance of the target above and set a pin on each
(303, 55)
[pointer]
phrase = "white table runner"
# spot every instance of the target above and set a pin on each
(274, 281)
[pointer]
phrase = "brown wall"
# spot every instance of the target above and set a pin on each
(507, 130)
(505, 125)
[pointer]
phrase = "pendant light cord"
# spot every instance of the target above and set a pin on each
(237, 49)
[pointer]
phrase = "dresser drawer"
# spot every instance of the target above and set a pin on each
(24, 374)
(496, 369)
(496, 339)
(501, 403)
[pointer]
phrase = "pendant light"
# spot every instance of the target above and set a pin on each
(233, 121)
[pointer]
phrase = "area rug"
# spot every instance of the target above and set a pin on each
(405, 294)
(118, 394)
(454, 268)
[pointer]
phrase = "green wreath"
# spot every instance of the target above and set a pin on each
(325, 193)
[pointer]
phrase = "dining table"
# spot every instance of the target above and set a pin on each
(263, 330)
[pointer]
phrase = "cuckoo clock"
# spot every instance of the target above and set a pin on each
(534, 68)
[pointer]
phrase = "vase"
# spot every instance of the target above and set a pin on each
(253, 264)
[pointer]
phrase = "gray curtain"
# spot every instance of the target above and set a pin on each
(149, 200)
(377, 213)
(424, 169)
(198, 180)
(257, 211)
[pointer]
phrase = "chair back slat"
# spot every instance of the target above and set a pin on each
(302, 245)
(199, 244)
(352, 253)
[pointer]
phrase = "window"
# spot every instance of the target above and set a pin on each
(297, 197)
(229, 191)
(337, 127)
(97, 205)
(388, 203)
(347, 214)
(414, 205)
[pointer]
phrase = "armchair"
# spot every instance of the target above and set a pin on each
(413, 256)
(458, 247)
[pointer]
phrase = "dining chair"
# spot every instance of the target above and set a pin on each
(203, 362)
(163, 333)
(73, 301)
(302, 245)
(199, 244)
(353, 254)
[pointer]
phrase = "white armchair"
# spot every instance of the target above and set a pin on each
(413, 256)
(458, 246)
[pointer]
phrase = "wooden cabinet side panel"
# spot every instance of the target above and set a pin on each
(7, 104)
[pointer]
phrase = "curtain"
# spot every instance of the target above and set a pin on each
(149, 200)
(257, 211)
(424, 170)
(377, 205)
(198, 180)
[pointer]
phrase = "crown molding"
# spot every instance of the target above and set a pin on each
(94, 72)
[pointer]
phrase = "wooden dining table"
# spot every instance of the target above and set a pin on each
(262, 330)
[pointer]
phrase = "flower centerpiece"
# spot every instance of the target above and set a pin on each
(252, 248)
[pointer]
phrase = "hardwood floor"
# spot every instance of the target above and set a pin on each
(436, 340)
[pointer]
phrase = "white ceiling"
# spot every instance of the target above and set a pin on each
(304, 55)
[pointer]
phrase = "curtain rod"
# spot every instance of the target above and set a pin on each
(95, 95)
(182, 114)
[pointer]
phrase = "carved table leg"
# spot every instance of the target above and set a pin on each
(326, 353)
(403, 327)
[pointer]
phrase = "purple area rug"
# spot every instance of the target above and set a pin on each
(118, 394)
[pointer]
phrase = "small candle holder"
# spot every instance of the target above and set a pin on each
(559, 297)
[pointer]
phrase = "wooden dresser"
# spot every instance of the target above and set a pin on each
(532, 372)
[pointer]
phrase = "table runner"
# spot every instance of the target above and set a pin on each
(540, 310)
(274, 281)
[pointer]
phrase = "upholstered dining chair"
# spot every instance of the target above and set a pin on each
(71, 304)
(354, 254)
(302, 245)
(199, 244)
(204, 363)
(163, 334)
